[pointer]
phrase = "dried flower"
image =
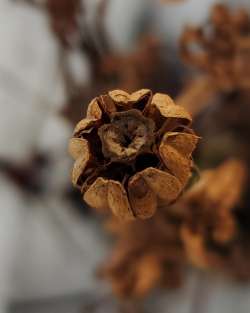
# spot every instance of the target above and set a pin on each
(148, 254)
(210, 224)
(222, 48)
(132, 152)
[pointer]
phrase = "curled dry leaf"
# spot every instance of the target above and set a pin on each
(223, 47)
(131, 152)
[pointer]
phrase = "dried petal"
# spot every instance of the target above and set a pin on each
(140, 99)
(79, 167)
(84, 125)
(107, 104)
(94, 111)
(120, 97)
(167, 108)
(166, 186)
(118, 201)
(78, 147)
(97, 195)
(175, 151)
(142, 199)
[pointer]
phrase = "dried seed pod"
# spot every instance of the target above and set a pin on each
(132, 151)
(221, 48)
(210, 224)
(138, 263)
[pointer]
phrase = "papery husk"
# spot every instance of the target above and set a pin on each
(133, 152)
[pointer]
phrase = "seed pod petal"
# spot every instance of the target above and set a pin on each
(175, 151)
(78, 147)
(120, 97)
(97, 195)
(84, 125)
(78, 169)
(94, 111)
(166, 186)
(118, 201)
(107, 104)
(168, 109)
(141, 99)
(142, 199)
(140, 94)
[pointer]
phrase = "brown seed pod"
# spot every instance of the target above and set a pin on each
(132, 151)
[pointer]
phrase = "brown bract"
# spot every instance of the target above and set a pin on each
(210, 224)
(221, 48)
(131, 152)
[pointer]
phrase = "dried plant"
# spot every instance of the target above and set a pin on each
(210, 226)
(133, 152)
(147, 254)
(221, 48)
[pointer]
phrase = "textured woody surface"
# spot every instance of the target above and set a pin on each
(132, 152)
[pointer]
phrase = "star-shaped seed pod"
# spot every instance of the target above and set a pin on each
(132, 152)
(221, 48)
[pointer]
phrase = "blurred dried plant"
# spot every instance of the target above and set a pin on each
(221, 48)
(133, 152)
(210, 230)
(147, 254)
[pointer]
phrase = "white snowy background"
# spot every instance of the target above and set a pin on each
(45, 250)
